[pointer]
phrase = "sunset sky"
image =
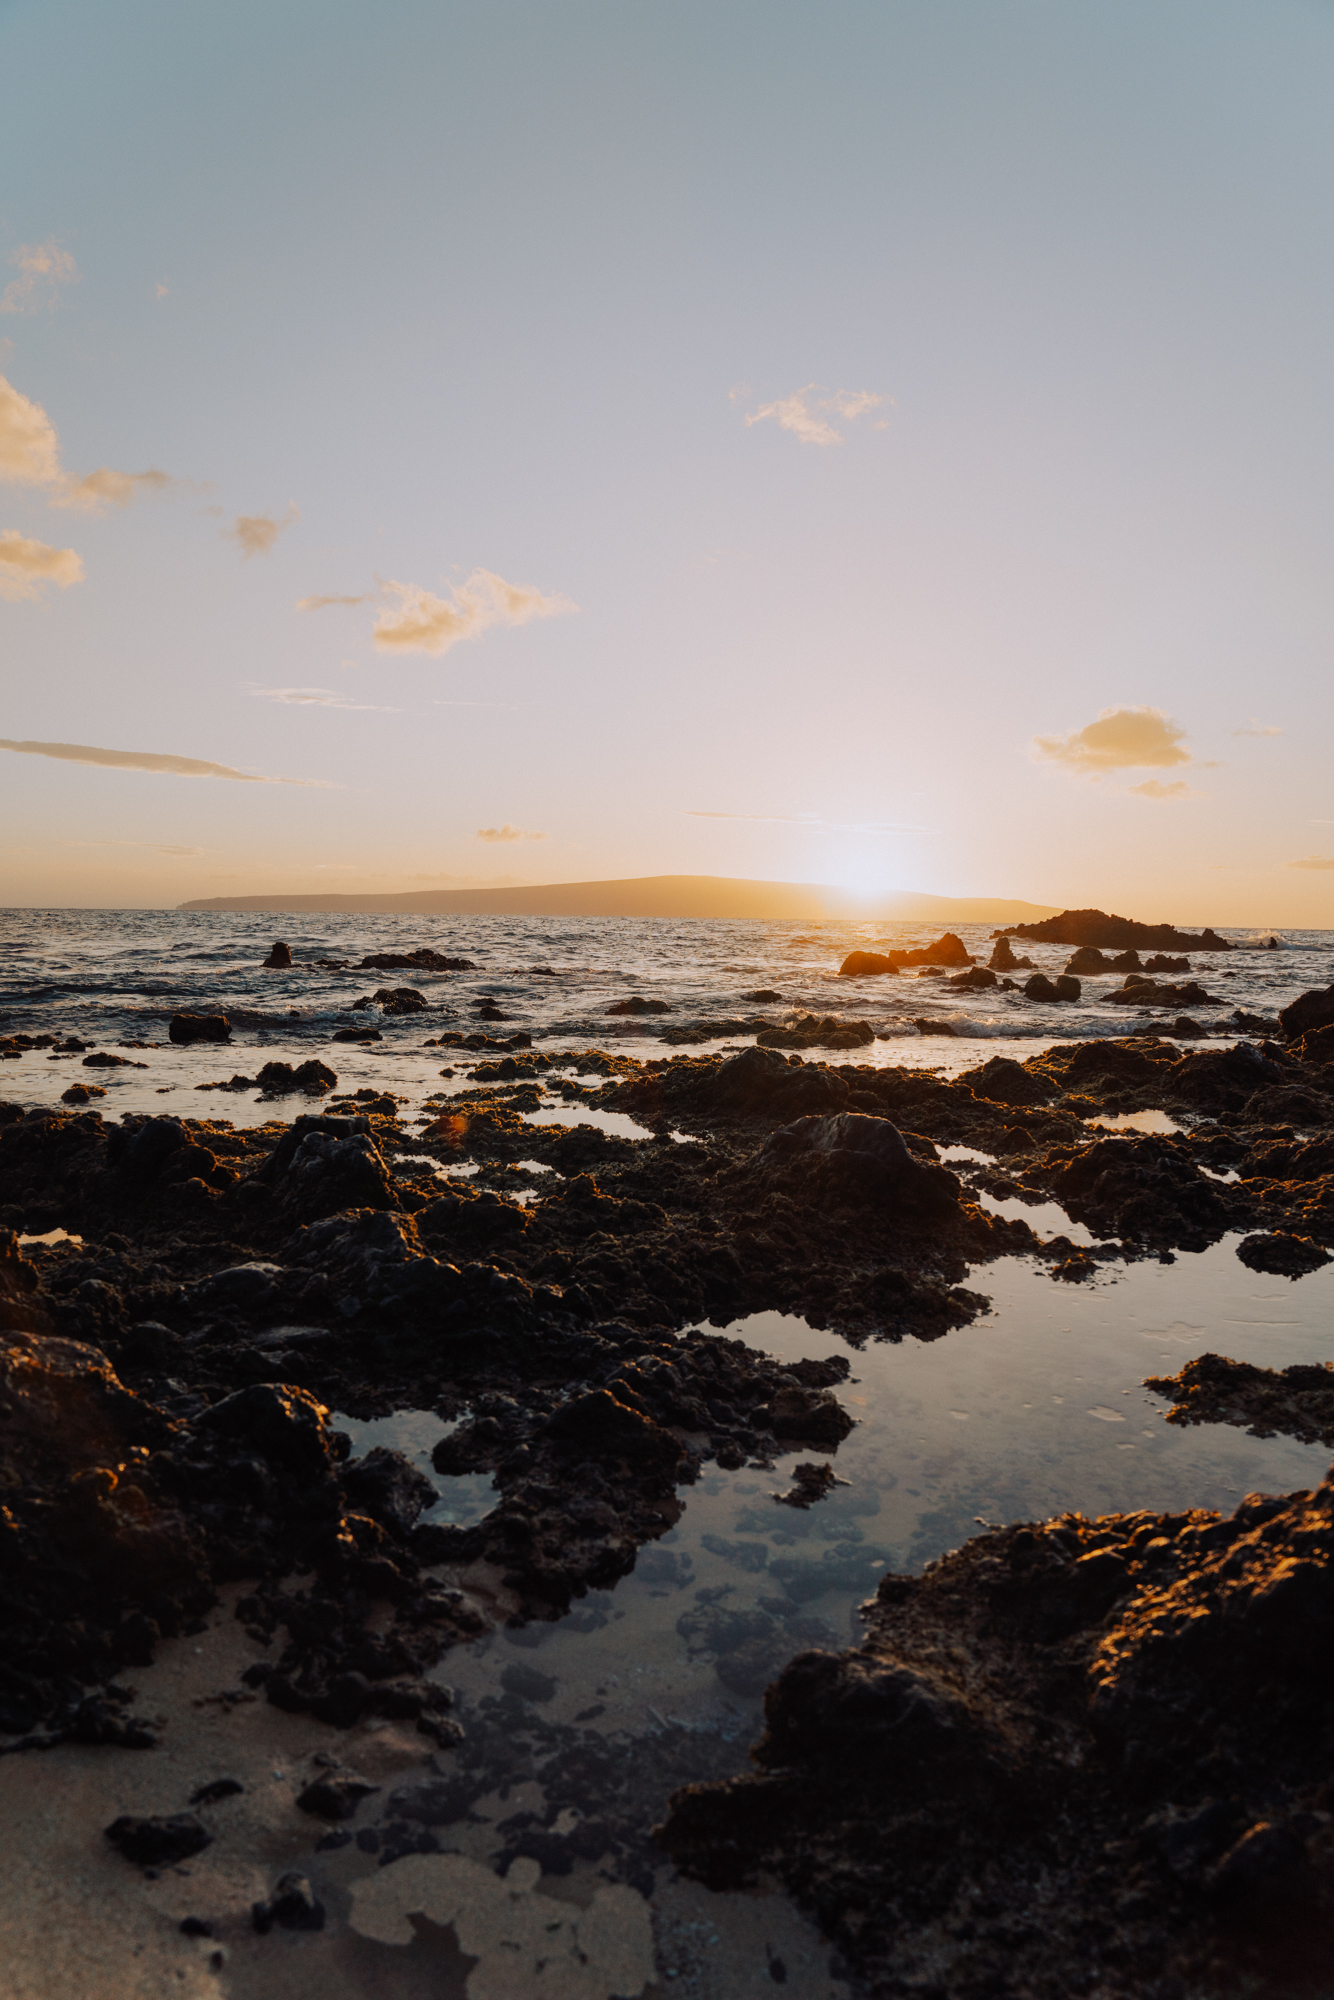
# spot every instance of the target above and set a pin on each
(886, 445)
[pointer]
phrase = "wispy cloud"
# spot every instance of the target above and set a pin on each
(1254, 728)
(29, 447)
(1313, 861)
(255, 534)
(161, 288)
(507, 832)
(318, 698)
(1120, 739)
(318, 603)
(26, 565)
(806, 412)
(43, 268)
(815, 823)
(143, 760)
(105, 488)
(1153, 788)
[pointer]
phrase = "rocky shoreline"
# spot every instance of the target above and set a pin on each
(169, 1360)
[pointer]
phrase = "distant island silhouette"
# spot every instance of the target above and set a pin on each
(680, 896)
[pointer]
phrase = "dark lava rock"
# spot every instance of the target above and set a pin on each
(810, 1031)
(216, 1790)
(101, 1060)
(1288, 1104)
(324, 1164)
(388, 1485)
(1095, 927)
(200, 1028)
(1003, 959)
(761, 994)
(603, 1427)
(863, 964)
(1123, 1728)
(810, 1482)
(334, 1798)
(1309, 1011)
(396, 1000)
(1292, 1402)
(1039, 987)
(280, 1079)
(1147, 1188)
(1141, 991)
(636, 1004)
(357, 1035)
(1282, 1255)
(282, 1423)
(1001, 1080)
(925, 1026)
(279, 959)
(293, 1905)
(810, 1415)
(158, 1841)
(975, 980)
(863, 1158)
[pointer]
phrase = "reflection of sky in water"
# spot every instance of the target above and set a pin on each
(463, 1499)
(1136, 1121)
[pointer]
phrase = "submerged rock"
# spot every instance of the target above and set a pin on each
(1295, 1402)
(636, 1004)
(810, 1031)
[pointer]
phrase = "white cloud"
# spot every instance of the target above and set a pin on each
(1153, 788)
(424, 623)
(806, 414)
(43, 268)
(317, 698)
(142, 760)
(1314, 861)
(1120, 739)
(507, 832)
(255, 534)
(26, 565)
(1254, 728)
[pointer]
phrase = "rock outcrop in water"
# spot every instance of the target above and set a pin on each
(1071, 1751)
(947, 950)
(1108, 933)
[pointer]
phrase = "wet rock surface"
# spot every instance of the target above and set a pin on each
(1071, 1751)
(1297, 1402)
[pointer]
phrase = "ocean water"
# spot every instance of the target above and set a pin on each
(1036, 1407)
(111, 977)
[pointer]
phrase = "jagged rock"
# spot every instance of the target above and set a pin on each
(1309, 1011)
(1095, 927)
(279, 959)
(636, 1004)
(388, 1485)
(422, 960)
(947, 950)
(1039, 987)
(1001, 1080)
(975, 980)
(861, 1157)
(323, 1164)
(281, 1422)
(1281, 1254)
(1142, 991)
(280, 1079)
(809, 1031)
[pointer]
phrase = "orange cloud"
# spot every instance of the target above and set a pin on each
(1313, 861)
(507, 832)
(255, 534)
(26, 565)
(1120, 739)
(105, 488)
(1153, 788)
(43, 267)
(29, 448)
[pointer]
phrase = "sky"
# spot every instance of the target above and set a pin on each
(887, 445)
